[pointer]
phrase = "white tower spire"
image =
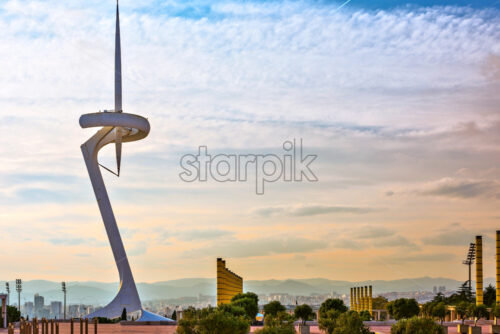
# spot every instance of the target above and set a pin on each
(118, 89)
(118, 64)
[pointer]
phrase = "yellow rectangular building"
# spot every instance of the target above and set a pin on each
(228, 283)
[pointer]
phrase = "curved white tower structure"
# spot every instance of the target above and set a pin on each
(117, 127)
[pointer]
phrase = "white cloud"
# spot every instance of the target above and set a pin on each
(259, 247)
(462, 188)
(310, 210)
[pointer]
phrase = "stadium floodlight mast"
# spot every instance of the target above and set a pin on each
(63, 287)
(7, 287)
(19, 288)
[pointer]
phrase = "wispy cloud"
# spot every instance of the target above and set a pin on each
(374, 232)
(459, 188)
(397, 241)
(421, 257)
(310, 210)
(68, 241)
(377, 238)
(199, 234)
(139, 248)
(455, 234)
(453, 237)
(259, 247)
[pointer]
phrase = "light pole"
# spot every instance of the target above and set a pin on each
(63, 286)
(7, 287)
(19, 288)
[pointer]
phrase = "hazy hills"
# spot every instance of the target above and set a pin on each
(91, 292)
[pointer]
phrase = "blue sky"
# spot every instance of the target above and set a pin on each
(390, 4)
(400, 105)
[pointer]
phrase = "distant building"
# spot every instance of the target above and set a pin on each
(39, 303)
(74, 311)
(228, 283)
(28, 309)
(55, 310)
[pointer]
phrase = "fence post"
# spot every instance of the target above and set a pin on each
(96, 321)
(72, 328)
(81, 326)
(57, 328)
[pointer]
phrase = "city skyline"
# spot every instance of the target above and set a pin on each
(398, 103)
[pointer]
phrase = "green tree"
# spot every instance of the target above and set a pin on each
(439, 311)
(246, 295)
(281, 323)
(403, 308)
(187, 326)
(462, 310)
(233, 309)
(174, 315)
(304, 312)
(390, 308)
(219, 322)
(350, 323)
(249, 301)
(478, 312)
(379, 303)
(249, 305)
(226, 319)
(332, 304)
(416, 325)
(365, 315)
(426, 309)
(495, 311)
(328, 322)
(439, 298)
(489, 296)
(13, 314)
(124, 315)
(456, 298)
(273, 308)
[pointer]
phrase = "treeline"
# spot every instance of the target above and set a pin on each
(237, 317)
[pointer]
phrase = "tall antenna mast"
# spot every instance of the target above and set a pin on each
(118, 64)
(118, 89)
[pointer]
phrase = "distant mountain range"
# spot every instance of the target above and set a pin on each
(99, 293)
